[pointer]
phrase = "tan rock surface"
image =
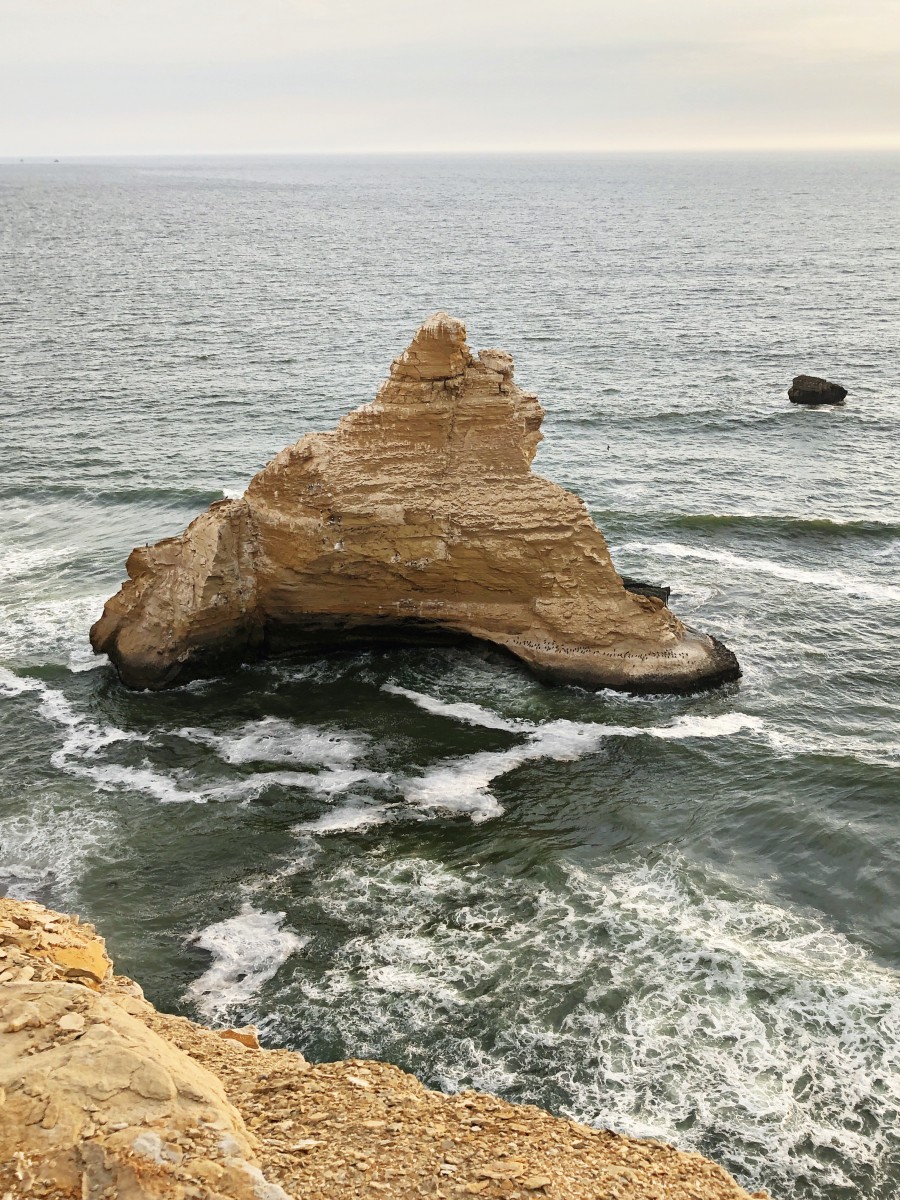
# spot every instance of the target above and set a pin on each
(105, 1098)
(417, 518)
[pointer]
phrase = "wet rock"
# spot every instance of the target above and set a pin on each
(810, 389)
(646, 589)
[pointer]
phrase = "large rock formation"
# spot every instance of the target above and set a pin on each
(107, 1099)
(810, 389)
(417, 518)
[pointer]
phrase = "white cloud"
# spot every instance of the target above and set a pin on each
(135, 76)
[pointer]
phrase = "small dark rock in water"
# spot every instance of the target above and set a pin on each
(646, 589)
(809, 389)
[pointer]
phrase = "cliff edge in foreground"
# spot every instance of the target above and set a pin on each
(104, 1098)
(417, 518)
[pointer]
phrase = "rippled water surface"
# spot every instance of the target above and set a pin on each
(678, 917)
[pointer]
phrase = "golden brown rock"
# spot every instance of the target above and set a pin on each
(417, 518)
(58, 946)
(247, 1035)
(107, 1099)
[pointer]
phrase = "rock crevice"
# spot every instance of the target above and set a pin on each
(418, 516)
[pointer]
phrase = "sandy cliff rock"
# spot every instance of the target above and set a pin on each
(104, 1098)
(95, 1104)
(418, 517)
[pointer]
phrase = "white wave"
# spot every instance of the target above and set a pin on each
(346, 819)
(179, 788)
(812, 741)
(82, 738)
(834, 579)
(247, 951)
(17, 562)
(656, 1002)
(51, 631)
(12, 684)
(889, 553)
(463, 785)
(83, 741)
(472, 714)
(273, 739)
(723, 725)
(45, 847)
(84, 659)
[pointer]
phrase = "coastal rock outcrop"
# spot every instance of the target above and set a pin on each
(417, 518)
(103, 1097)
(94, 1103)
(810, 389)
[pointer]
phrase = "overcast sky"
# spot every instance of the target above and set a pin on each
(82, 77)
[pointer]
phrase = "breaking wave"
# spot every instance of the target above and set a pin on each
(462, 785)
(610, 990)
(51, 631)
(247, 950)
(17, 562)
(776, 525)
(834, 579)
(273, 739)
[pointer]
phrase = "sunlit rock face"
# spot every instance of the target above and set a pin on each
(417, 518)
(95, 1103)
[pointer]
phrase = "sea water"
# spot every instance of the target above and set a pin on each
(677, 917)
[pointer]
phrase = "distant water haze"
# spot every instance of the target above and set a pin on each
(267, 76)
(675, 916)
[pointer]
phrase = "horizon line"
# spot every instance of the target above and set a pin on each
(506, 151)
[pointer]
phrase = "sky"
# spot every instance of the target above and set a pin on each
(116, 77)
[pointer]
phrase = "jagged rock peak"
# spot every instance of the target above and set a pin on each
(417, 518)
(438, 351)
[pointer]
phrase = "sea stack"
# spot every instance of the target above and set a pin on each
(810, 389)
(417, 519)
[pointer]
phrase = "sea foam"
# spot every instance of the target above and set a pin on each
(463, 785)
(273, 739)
(247, 950)
(645, 996)
(834, 579)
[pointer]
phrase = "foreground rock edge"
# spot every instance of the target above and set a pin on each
(104, 1097)
(418, 518)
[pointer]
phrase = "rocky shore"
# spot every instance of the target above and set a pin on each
(104, 1098)
(417, 519)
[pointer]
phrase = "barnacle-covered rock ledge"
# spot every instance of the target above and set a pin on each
(417, 518)
(104, 1098)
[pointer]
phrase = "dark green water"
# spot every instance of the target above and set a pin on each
(678, 917)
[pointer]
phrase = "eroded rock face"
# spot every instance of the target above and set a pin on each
(810, 389)
(418, 517)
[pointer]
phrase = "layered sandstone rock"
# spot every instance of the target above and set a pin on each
(104, 1098)
(417, 518)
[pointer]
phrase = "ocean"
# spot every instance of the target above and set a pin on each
(675, 916)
